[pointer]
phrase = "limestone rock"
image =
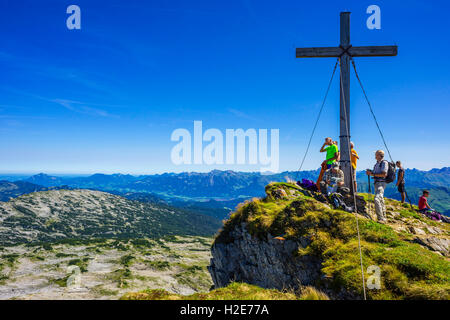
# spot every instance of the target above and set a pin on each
(392, 214)
(273, 261)
(279, 194)
(433, 230)
(269, 263)
(440, 245)
(416, 230)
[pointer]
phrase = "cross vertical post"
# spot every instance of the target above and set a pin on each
(344, 85)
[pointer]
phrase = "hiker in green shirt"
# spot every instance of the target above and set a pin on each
(331, 148)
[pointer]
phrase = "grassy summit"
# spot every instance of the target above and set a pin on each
(408, 270)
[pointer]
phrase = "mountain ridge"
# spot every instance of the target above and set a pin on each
(228, 184)
(80, 214)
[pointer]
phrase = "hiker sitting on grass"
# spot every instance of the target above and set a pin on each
(425, 208)
(332, 180)
(332, 185)
(331, 148)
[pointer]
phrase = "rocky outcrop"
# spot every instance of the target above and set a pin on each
(291, 239)
(268, 263)
(440, 245)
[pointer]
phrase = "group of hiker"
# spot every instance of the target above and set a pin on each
(331, 180)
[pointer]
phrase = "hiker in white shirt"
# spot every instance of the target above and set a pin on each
(379, 174)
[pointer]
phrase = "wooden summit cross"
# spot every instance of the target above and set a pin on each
(344, 52)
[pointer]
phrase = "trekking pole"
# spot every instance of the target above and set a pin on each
(409, 200)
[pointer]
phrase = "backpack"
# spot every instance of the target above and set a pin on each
(308, 185)
(339, 203)
(391, 174)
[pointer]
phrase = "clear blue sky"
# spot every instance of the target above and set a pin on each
(106, 98)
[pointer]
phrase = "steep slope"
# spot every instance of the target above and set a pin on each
(290, 240)
(59, 214)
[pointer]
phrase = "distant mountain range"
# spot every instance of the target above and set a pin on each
(214, 184)
(224, 189)
(94, 181)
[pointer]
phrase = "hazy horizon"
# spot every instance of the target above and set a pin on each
(73, 174)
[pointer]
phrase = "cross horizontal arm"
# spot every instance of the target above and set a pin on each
(318, 52)
(373, 51)
(327, 52)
